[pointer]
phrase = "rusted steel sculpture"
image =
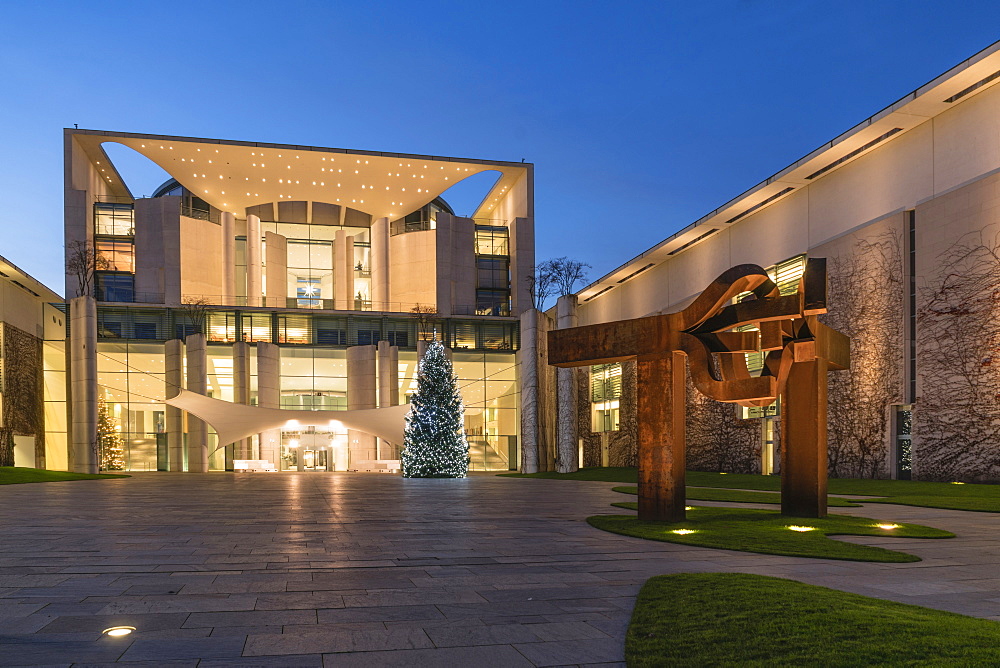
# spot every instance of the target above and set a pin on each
(799, 352)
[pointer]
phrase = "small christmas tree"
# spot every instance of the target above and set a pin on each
(434, 443)
(109, 440)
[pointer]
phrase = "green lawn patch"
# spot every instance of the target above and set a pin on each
(11, 475)
(768, 532)
(982, 498)
(734, 619)
(739, 496)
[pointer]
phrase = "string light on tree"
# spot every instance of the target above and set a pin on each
(434, 443)
(109, 440)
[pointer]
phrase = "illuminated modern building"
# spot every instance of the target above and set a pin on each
(906, 207)
(315, 276)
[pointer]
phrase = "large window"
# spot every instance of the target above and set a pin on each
(114, 245)
(605, 396)
(114, 287)
(112, 219)
(119, 255)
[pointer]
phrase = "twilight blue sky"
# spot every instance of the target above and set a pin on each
(639, 116)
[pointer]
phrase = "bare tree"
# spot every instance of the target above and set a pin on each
(957, 430)
(566, 274)
(558, 276)
(426, 317)
(195, 310)
(82, 261)
(540, 285)
(866, 304)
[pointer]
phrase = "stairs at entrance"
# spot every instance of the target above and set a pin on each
(484, 458)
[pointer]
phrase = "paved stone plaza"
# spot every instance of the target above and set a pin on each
(339, 569)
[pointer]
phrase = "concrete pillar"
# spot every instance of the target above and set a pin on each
(567, 427)
(269, 396)
(522, 263)
(197, 381)
(276, 249)
(173, 351)
(241, 392)
(388, 391)
(253, 256)
(444, 257)
(228, 259)
(361, 394)
(83, 383)
(380, 265)
(535, 381)
(343, 270)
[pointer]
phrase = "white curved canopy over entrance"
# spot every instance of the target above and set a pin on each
(235, 421)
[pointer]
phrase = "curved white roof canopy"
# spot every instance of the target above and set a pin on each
(235, 421)
(232, 176)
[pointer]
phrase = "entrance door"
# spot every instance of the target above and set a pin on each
(315, 460)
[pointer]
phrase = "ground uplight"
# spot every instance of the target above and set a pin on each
(116, 631)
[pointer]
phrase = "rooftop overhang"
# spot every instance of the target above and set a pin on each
(19, 277)
(233, 175)
(954, 86)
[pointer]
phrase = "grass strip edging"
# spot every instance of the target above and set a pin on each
(768, 532)
(739, 496)
(16, 475)
(946, 495)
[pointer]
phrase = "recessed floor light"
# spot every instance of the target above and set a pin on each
(116, 631)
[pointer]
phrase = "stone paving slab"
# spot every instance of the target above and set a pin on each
(347, 570)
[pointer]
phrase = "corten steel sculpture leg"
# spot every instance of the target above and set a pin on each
(803, 440)
(661, 436)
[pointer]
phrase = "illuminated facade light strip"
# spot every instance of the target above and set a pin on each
(854, 153)
(693, 241)
(636, 273)
(598, 294)
(979, 84)
(760, 205)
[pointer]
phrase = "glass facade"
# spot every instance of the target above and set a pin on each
(131, 379)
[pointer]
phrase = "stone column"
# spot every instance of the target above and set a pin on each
(197, 381)
(83, 383)
(361, 393)
(276, 249)
(535, 380)
(241, 392)
(173, 351)
(388, 391)
(522, 263)
(269, 396)
(253, 256)
(343, 270)
(228, 259)
(380, 265)
(567, 431)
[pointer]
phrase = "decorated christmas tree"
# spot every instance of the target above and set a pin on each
(109, 440)
(434, 443)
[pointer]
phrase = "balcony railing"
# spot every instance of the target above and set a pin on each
(311, 303)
